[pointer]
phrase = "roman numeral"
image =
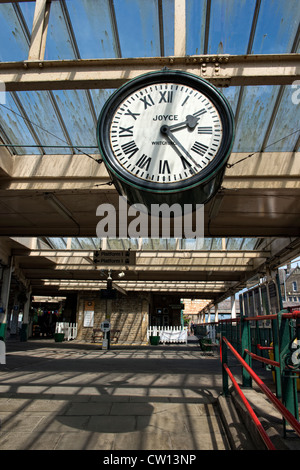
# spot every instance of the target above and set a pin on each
(164, 166)
(147, 100)
(125, 131)
(144, 162)
(205, 130)
(130, 113)
(199, 148)
(129, 148)
(166, 99)
(185, 162)
(199, 113)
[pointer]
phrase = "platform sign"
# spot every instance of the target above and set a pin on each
(105, 326)
(114, 257)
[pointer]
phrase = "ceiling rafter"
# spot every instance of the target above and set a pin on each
(233, 70)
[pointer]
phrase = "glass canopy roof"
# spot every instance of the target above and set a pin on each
(164, 244)
(143, 28)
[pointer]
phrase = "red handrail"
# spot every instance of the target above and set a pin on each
(293, 315)
(255, 419)
(274, 316)
(280, 407)
(262, 359)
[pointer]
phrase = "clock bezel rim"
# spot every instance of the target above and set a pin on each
(148, 79)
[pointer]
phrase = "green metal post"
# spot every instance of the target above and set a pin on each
(246, 344)
(224, 349)
(3, 327)
(289, 385)
(277, 371)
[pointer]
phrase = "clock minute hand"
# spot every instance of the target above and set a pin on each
(166, 130)
(191, 122)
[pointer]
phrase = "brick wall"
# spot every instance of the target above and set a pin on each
(127, 313)
(192, 308)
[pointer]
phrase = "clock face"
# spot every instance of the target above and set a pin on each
(164, 134)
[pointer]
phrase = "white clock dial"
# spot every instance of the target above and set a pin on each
(165, 133)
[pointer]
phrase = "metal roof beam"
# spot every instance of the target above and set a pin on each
(39, 30)
(179, 28)
(222, 70)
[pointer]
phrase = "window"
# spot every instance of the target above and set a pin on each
(295, 287)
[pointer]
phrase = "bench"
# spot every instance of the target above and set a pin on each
(98, 335)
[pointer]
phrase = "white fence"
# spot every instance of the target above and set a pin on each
(69, 330)
(168, 334)
(212, 333)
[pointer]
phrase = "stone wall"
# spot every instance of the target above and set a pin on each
(127, 313)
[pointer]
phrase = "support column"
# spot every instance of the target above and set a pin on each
(216, 313)
(7, 272)
(179, 27)
(39, 30)
(25, 323)
(208, 316)
(233, 309)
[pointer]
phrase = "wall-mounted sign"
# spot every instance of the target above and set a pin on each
(88, 317)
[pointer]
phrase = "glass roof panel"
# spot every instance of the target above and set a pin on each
(230, 26)
(256, 111)
(58, 243)
(195, 26)
(99, 98)
(40, 111)
(27, 9)
(276, 27)
(231, 94)
(13, 43)
(139, 30)
(171, 244)
(168, 26)
(15, 127)
(58, 43)
(76, 114)
(92, 27)
(287, 116)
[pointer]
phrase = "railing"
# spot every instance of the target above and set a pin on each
(277, 403)
(250, 410)
(285, 364)
(168, 334)
(69, 330)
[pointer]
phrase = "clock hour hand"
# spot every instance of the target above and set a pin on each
(190, 122)
(166, 130)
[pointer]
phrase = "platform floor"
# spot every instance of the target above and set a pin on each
(76, 396)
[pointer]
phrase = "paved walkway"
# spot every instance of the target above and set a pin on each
(67, 396)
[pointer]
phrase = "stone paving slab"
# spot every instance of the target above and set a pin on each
(72, 397)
